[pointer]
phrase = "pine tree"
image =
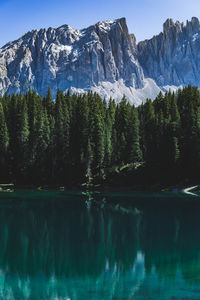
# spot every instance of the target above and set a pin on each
(22, 138)
(149, 129)
(49, 103)
(109, 132)
(98, 142)
(134, 150)
(59, 134)
(122, 127)
(4, 143)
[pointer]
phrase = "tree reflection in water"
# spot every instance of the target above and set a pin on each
(53, 247)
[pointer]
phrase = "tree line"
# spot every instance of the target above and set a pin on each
(82, 138)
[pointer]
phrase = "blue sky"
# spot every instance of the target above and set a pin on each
(144, 17)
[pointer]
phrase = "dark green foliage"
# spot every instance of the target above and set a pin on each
(81, 138)
(149, 132)
(4, 143)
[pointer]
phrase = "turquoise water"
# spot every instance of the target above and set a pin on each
(59, 245)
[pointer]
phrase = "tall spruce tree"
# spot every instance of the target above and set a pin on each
(149, 130)
(134, 150)
(4, 143)
(22, 139)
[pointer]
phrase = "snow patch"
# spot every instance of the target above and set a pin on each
(105, 25)
(61, 48)
(195, 37)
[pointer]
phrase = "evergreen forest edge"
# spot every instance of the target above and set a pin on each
(82, 139)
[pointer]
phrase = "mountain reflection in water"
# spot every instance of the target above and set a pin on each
(52, 246)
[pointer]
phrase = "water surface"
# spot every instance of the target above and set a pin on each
(59, 245)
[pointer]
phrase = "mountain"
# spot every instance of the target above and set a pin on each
(172, 58)
(103, 58)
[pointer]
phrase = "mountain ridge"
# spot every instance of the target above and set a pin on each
(104, 58)
(171, 57)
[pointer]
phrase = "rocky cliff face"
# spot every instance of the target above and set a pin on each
(65, 58)
(103, 58)
(173, 56)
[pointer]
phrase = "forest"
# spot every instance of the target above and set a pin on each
(85, 140)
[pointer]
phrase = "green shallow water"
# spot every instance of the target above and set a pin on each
(59, 245)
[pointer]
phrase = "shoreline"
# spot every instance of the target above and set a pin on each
(187, 190)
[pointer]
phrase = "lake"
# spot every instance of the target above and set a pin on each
(74, 245)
